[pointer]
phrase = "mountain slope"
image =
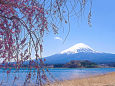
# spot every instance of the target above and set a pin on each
(80, 52)
(80, 47)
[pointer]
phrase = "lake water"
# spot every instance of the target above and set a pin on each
(58, 73)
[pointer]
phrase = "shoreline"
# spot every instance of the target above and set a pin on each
(107, 79)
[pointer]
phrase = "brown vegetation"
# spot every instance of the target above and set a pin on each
(100, 80)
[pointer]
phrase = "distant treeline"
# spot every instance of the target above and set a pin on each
(77, 64)
(71, 64)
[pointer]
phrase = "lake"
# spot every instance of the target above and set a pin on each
(59, 74)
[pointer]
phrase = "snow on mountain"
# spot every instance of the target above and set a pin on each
(80, 47)
(80, 51)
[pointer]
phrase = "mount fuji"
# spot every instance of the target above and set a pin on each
(80, 51)
(80, 47)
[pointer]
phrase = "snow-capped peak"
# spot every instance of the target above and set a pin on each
(80, 47)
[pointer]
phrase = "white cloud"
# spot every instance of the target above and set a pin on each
(57, 38)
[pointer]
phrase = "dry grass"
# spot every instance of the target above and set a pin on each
(100, 80)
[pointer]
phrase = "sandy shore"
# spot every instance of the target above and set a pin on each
(99, 80)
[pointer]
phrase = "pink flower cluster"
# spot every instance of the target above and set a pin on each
(17, 16)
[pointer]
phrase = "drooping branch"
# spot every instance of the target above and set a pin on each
(23, 24)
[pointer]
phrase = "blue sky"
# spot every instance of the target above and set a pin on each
(101, 36)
